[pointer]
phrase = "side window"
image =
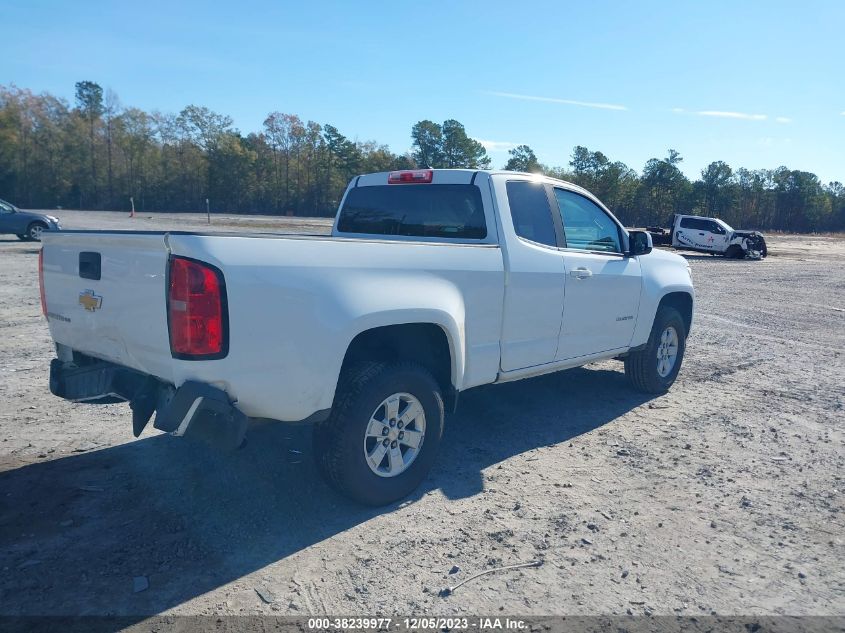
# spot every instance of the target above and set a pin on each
(530, 212)
(696, 224)
(586, 225)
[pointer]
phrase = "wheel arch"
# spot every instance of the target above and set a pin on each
(430, 344)
(683, 303)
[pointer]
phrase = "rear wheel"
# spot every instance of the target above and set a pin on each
(383, 433)
(34, 231)
(655, 368)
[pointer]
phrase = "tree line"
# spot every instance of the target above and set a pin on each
(97, 154)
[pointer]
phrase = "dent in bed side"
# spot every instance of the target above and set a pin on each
(445, 311)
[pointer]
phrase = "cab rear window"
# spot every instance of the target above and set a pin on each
(440, 211)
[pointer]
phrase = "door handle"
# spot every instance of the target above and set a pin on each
(581, 273)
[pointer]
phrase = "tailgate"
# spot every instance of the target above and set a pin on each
(105, 297)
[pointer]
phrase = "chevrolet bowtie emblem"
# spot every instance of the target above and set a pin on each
(90, 300)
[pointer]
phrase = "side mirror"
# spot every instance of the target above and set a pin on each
(639, 243)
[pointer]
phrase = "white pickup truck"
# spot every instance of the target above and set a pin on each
(432, 282)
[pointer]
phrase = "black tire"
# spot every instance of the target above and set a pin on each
(33, 231)
(735, 252)
(339, 441)
(641, 366)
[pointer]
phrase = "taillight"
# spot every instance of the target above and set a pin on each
(41, 281)
(411, 176)
(196, 310)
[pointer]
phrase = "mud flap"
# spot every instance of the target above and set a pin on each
(200, 411)
(143, 405)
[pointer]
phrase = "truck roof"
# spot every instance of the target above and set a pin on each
(458, 176)
(699, 217)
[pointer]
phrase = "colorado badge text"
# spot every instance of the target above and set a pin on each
(90, 300)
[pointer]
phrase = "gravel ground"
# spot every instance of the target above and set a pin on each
(723, 496)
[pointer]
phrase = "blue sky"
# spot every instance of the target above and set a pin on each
(757, 84)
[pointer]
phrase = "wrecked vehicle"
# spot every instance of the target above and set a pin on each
(710, 235)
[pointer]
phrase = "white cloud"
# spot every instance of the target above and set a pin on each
(583, 104)
(497, 146)
(771, 141)
(733, 115)
(842, 113)
(729, 114)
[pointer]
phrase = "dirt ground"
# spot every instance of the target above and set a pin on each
(723, 496)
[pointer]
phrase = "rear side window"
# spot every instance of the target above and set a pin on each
(695, 224)
(445, 211)
(530, 212)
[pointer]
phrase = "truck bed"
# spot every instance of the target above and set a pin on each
(294, 303)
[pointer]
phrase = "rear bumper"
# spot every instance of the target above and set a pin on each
(195, 409)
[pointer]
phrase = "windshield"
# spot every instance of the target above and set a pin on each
(725, 225)
(5, 207)
(444, 211)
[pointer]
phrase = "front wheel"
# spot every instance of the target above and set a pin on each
(383, 433)
(34, 231)
(654, 368)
